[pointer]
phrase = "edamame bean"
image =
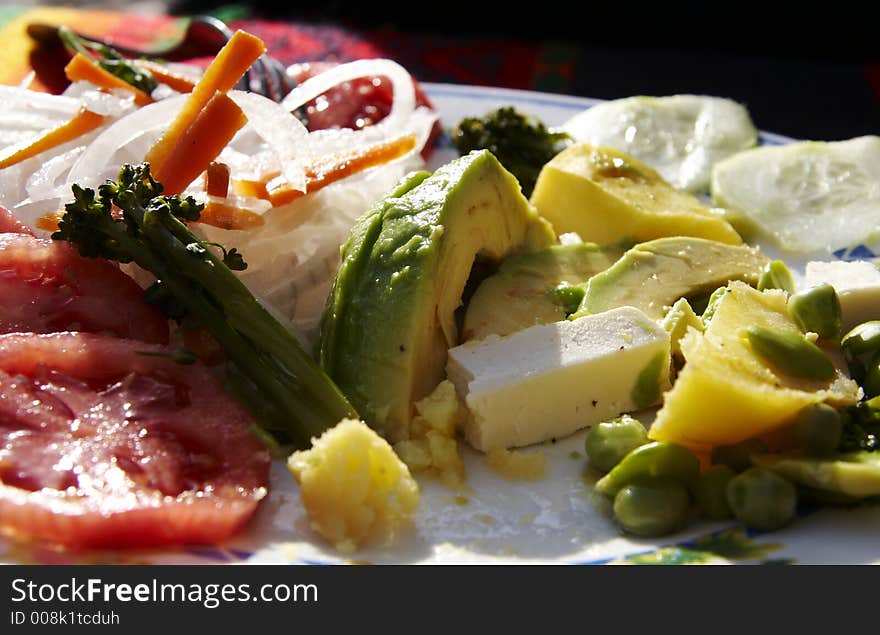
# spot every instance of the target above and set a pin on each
(776, 276)
(652, 507)
(761, 499)
(710, 492)
(859, 345)
(608, 442)
(568, 296)
(659, 459)
(817, 310)
(790, 352)
(871, 381)
(861, 339)
(737, 456)
(818, 429)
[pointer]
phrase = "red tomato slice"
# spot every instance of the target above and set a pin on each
(47, 287)
(355, 104)
(101, 446)
(10, 224)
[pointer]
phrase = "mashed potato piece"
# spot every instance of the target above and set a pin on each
(432, 446)
(353, 486)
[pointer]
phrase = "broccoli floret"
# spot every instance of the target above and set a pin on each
(282, 386)
(522, 144)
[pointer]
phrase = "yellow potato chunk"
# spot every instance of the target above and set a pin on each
(433, 446)
(726, 393)
(353, 486)
(608, 197)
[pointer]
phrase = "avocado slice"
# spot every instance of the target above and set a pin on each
(531, 289)
(855, 475)
(390, 317)
(606, 196)
(653, 275)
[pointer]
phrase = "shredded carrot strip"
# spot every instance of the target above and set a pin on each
(254, 189)
(84, 68)
(200, 144)
(49, 222)
(84, 121)
(336, 167)
(217, 179)
(229, 216)
(221, 75)
(171, 79)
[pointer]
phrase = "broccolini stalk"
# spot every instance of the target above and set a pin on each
(108, 59)
(278, 381)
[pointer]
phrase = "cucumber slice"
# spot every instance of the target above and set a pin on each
(681, 136)
(804, 197)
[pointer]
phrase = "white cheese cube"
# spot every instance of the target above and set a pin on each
(549, 380)
(857, 284)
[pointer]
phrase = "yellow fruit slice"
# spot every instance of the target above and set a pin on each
(726, 393)
(607, 197)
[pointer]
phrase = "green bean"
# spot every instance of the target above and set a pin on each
(652, 507)
(608, 442)
(817, 310)
(710, 492)
(659, 459)
(737, 456)
(776, 276)
(790, 352)
(761, 499)
(818, 429)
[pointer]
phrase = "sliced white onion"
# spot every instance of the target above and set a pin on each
(113, 104)
(285, 135)
(14, 97)
(91, 167)
(44, 182)
(401, 83)
(28, 80)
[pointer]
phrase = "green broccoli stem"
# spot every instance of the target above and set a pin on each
(278, 366)
(270, 364)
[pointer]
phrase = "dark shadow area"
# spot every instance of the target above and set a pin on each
(804, 71)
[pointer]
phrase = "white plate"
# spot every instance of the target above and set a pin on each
(555, 520)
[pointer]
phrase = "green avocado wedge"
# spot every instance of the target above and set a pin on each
(653, 275)
(390, 316)
(528, 289)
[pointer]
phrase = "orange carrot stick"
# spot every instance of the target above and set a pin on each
(84, 121)
(222, 73)
(200, 144)
(162, 74)
(217, 179)
(50, 221)
(84, 68)
(254, 189)
(229, 216)
(339, 166)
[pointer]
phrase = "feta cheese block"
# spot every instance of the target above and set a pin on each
(857, 284)
(549, 380)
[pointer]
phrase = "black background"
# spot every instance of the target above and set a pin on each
(800, 68)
